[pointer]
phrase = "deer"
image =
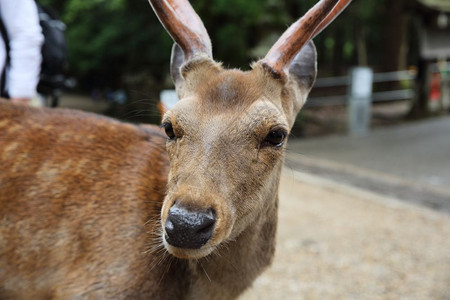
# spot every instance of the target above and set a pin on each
(95, 208)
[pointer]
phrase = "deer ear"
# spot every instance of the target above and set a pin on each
(302, 73)
(176, 60)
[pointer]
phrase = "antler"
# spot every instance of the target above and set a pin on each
(184, 26)
(340, 6)
(301, 32)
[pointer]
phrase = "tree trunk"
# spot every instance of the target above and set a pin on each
(338, 53)
(361, 48)
(419, 108)
(394, 36)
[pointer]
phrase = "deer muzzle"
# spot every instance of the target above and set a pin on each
(189, 228)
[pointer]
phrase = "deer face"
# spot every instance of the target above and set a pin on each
(226, 139)
(227, 134)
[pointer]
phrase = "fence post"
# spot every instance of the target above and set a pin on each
(360, 100)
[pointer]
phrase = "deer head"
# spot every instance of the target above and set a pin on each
(227, 134)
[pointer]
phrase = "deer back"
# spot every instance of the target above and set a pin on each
(80, 201)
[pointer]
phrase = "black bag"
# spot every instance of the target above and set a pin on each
(54, 51)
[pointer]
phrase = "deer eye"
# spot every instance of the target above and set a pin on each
(169, 130)
(275, 138)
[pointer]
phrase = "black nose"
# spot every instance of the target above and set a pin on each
(189, 228)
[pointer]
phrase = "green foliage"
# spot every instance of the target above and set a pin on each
(238, 26)
(111, 40)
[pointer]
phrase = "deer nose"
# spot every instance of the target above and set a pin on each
(189, 228)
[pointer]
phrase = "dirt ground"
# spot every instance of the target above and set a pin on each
(339, 242)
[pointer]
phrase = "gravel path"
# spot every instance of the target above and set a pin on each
(338, 242)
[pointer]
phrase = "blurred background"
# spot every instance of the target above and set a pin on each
(365, 197)
(119, 52)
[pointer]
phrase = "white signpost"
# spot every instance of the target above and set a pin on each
(360, 100)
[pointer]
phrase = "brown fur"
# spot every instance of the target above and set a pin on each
(72, 225)
(84, 198)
